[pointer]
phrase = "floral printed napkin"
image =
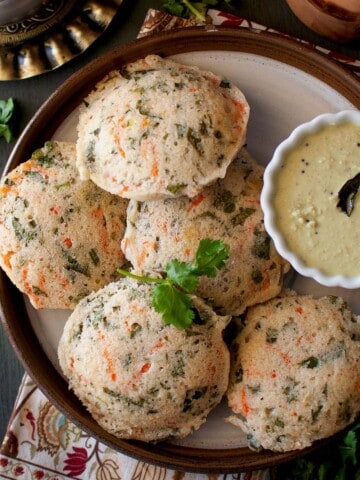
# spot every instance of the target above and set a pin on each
(40, 442)
(157, 21)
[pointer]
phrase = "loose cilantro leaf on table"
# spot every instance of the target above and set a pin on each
(175, 7)
(186, 8)
(339, 460)
(6, 111)
(170, 297)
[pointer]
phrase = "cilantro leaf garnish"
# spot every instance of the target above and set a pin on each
(210, 257)
(6, 111)
(183, 274)
(186, 8)
(174, 305)
(170, 297)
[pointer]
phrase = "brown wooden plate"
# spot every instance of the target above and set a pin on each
(286, 83)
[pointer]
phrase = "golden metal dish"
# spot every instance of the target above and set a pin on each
(56, 32)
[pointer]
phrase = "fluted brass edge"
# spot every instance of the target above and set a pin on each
(65, 37)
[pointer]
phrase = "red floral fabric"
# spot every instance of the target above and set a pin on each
(42, 444)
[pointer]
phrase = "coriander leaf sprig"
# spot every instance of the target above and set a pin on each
(186, 8)
(170, 297)
(6, 111)
(339, 460)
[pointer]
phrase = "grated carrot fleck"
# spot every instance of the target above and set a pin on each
(101, 231)
(244, 403)
(123, 190)
(145, 367)
(155, 169)
(64, 282)
(5, 189)
(196, 201)
(38, 302)
(7, 259)
(68, 242)
(110, 367)
(54, 210)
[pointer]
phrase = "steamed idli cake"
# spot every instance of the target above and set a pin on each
(139, 378)
(60, 236)
(160, 129)
(228, 210)
(295, 374)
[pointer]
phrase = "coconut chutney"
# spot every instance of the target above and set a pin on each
(306, 197)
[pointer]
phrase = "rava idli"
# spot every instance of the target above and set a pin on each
(228, 210)
(60, 236)
(139, 378)
(295, 374)
(158, 129)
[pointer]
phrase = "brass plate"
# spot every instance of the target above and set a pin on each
(56, 33)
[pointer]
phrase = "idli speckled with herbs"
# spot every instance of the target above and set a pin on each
(60, 236)
(139, 378)
(159, 129)
(295, 373)
(228, 210)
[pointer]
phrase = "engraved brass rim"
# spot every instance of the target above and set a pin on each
(54, 34)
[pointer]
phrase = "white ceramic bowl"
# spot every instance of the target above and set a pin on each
(269, 190)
